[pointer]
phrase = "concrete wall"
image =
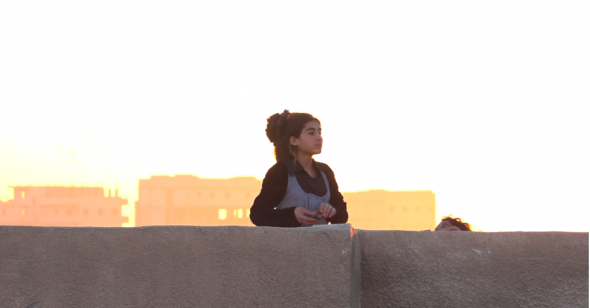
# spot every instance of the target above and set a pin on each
(171, 266)
(474, 269)
(179, 267)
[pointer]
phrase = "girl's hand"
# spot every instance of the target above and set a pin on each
(300, 213)
(327, 210)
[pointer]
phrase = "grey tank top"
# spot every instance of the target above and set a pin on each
(296, 196)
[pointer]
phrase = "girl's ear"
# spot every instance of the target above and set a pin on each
(293, 141)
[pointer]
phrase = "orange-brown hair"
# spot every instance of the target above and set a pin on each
(463, 226)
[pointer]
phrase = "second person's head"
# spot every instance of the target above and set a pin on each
(450, 223)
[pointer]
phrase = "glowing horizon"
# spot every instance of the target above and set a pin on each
(485, 104)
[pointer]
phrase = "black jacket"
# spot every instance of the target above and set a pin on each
(274, 188)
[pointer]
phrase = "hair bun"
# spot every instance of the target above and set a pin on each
(275, 124)
(271, 126)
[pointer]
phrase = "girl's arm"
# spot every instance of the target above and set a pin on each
(336, 199)
(274, 188)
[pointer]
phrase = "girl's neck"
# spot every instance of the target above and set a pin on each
(305, 160)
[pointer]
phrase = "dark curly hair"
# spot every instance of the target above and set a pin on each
(463, 226)
(281, 127)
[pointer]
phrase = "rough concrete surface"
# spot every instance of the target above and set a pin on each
(179, 266)
(474, 269)
(185, 266)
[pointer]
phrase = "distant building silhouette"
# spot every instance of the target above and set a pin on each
(190, 200)
(62, 206)
(391, 210)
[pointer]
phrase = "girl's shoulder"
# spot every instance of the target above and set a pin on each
(324, 167)
(278, 168)
(276, 176)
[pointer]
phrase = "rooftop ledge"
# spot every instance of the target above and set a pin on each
(327, 266)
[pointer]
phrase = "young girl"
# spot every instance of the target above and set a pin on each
(297, 190)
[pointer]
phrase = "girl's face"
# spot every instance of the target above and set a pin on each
(445, 225)
(310, 141)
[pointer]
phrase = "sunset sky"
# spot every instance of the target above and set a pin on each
(487, 103)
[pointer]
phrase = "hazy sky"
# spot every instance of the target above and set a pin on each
(487, 103)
